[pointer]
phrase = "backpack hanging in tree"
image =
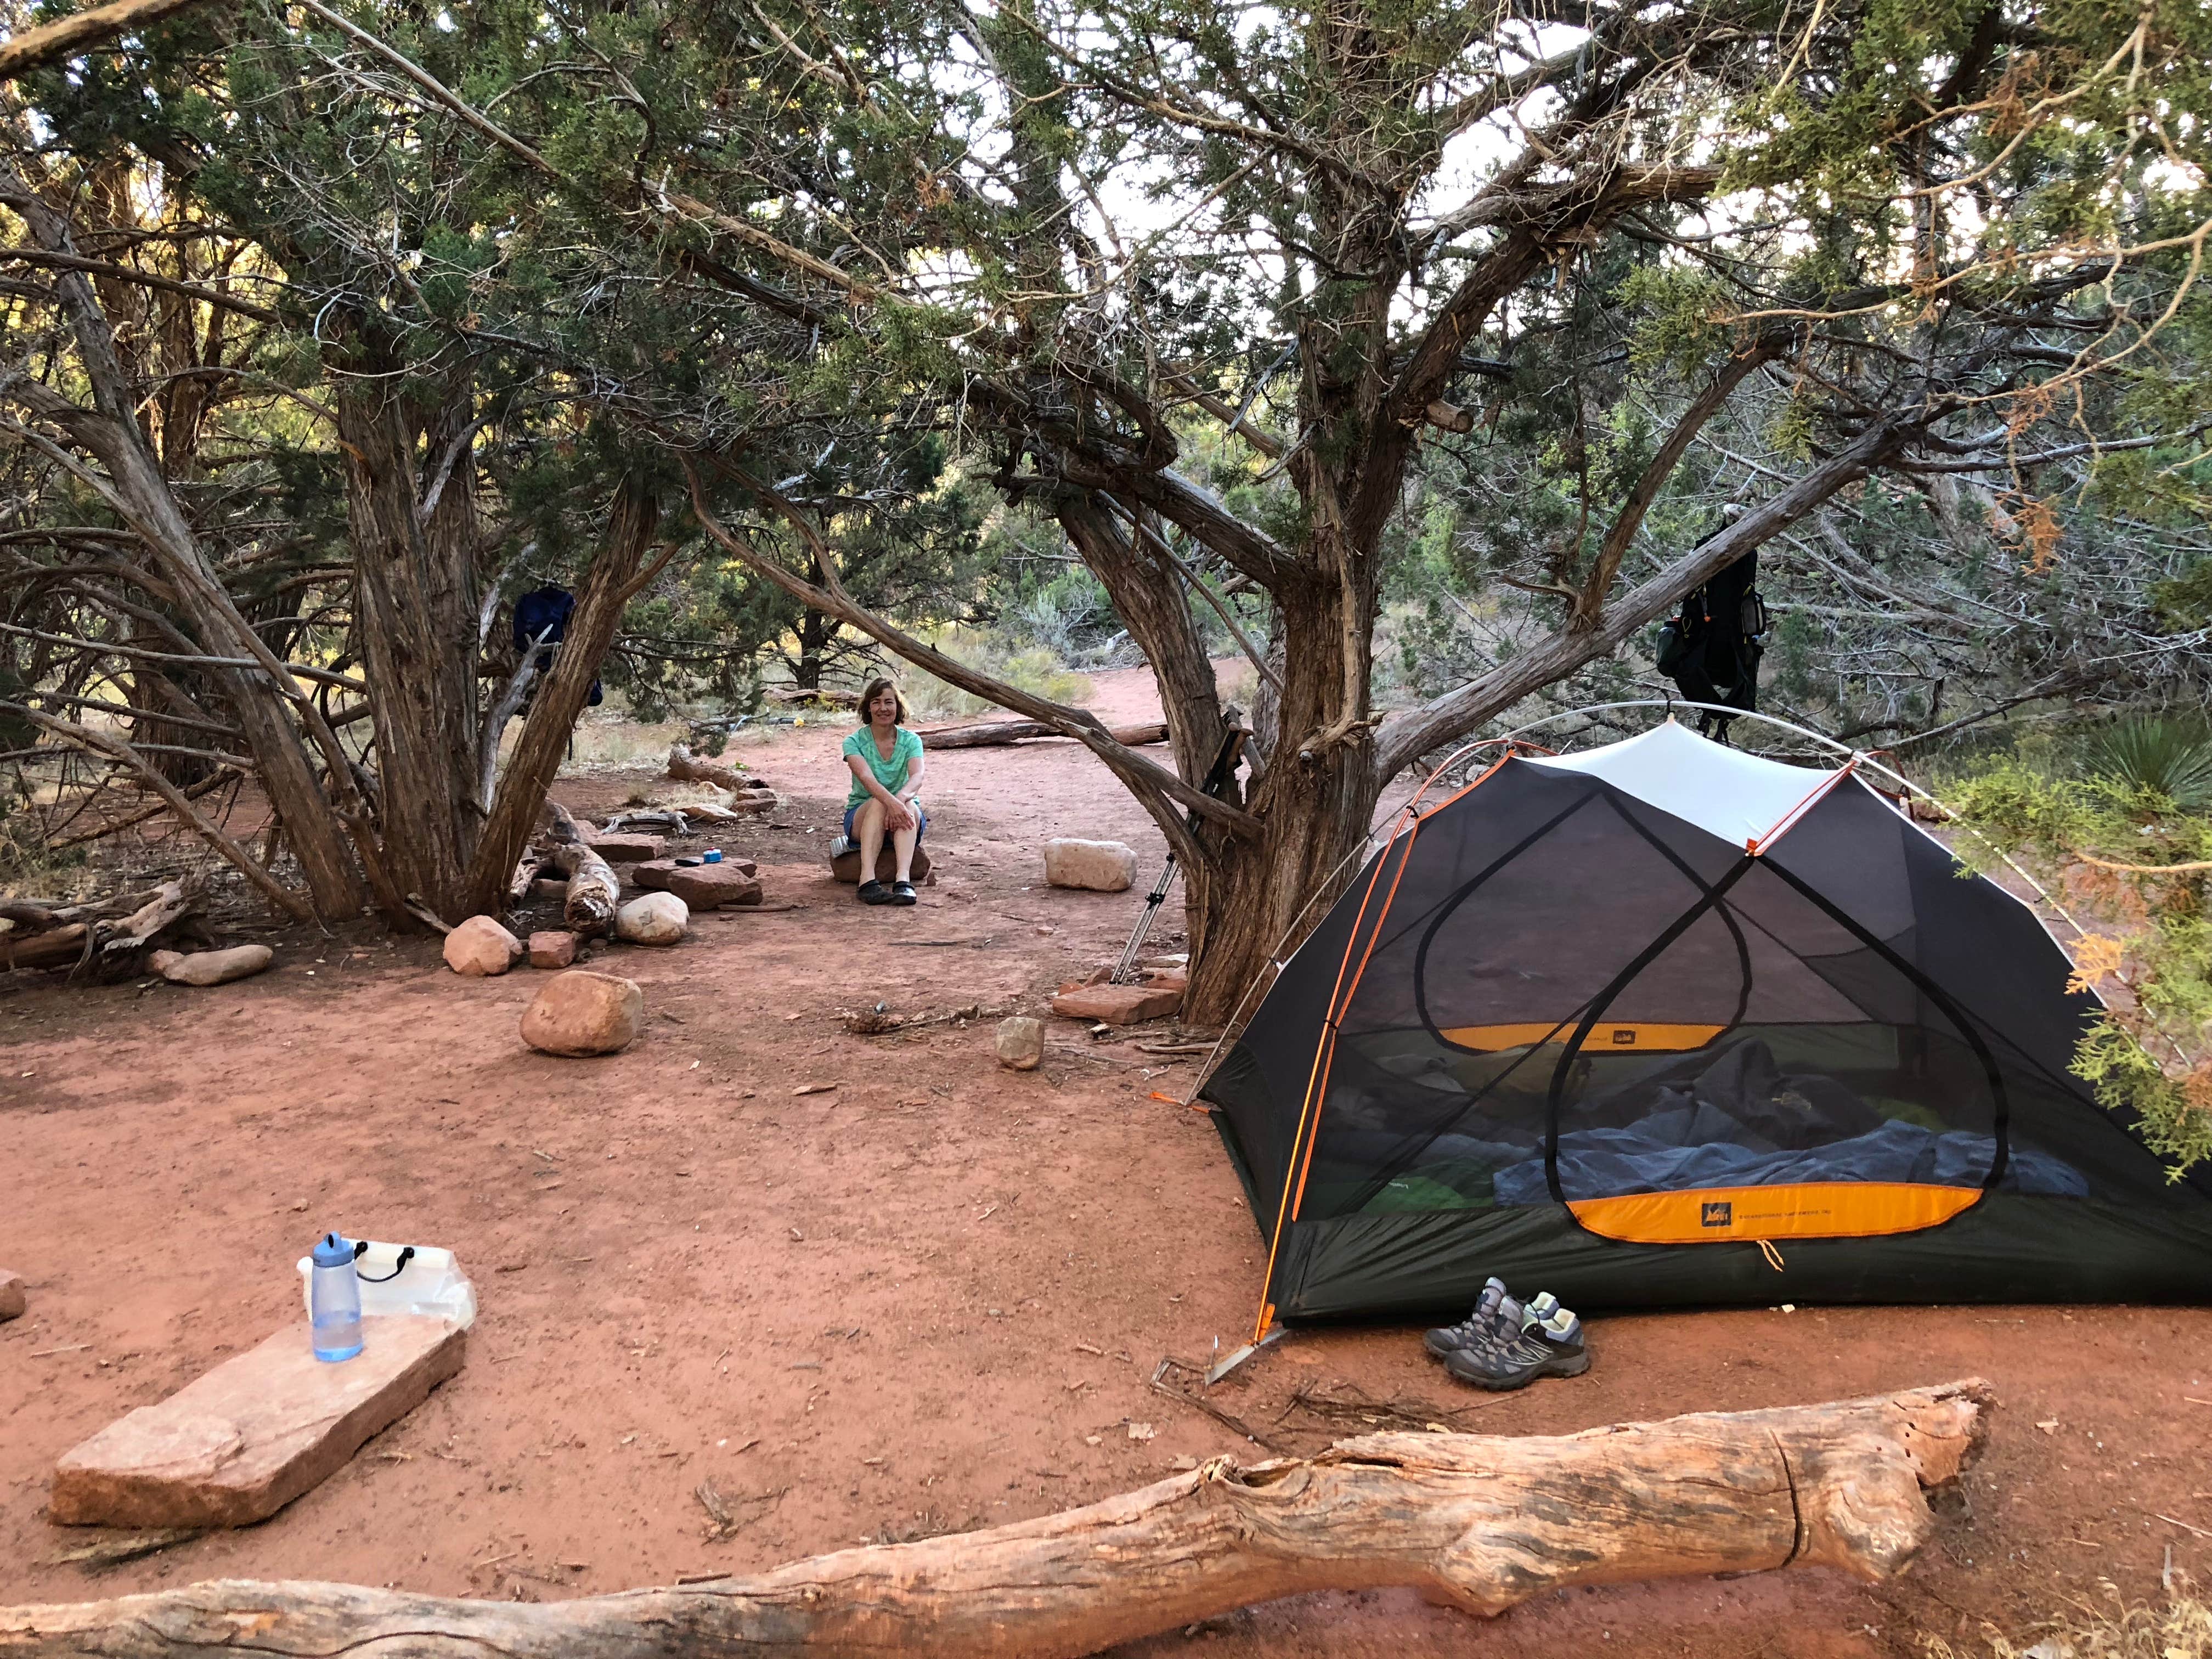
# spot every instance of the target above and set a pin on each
(546, 611)
(1711, 649)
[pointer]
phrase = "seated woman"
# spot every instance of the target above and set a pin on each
(885, 760)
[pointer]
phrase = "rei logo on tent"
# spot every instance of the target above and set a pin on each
(1721, 1214)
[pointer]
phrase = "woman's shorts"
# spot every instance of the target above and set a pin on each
(921, 821)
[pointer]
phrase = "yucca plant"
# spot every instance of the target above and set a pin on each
(2167, 754)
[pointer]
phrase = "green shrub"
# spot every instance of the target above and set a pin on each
(2157, 754)
(2125, 840)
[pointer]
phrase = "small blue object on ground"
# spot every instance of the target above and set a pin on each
(712, 856)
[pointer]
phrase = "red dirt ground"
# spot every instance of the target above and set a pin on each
(873, 1312)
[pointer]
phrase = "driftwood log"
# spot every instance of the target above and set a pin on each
(1475, 1522)
(594, 890)
(986, 733)
(750, 794)
(105, 937)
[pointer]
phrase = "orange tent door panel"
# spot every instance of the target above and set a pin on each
(1835, 1209)
(1644, 1036)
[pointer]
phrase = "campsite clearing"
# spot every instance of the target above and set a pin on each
(905, 1306)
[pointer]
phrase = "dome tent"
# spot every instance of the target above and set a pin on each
(1664, 1023)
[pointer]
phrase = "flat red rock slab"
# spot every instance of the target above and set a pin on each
(236, 1445)
(1118, 1005)
(701, 886)
(627, 849)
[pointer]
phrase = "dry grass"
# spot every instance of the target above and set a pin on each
(29, 869)
(608, 740)
(2180, 1629)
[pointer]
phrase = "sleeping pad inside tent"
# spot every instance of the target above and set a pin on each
(1663, 1024)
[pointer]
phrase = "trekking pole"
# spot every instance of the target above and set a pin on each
(1217, 779)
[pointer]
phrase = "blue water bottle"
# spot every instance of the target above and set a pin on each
(334, 1299)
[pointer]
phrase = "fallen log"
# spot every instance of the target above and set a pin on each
(987, 732)
(752, 793)
(1476, 1522)
(55, 947)
(122, 928)
(594, 890)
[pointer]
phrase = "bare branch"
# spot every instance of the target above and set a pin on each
(67, 37)
(1142, 774)
(1406, 737)
(294, 905)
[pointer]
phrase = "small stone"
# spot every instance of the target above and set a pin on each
(552, 948)
(581, 1012)
(1117, 1004)
(655, 919)
(701, 886)
(1099, 866)
(626, 849)
(480, 946)
(13, 1300)
(1021, 1043)
(236, 1445)
(211, 967)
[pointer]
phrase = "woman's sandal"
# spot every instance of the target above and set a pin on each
(874, 893)
(902, 893)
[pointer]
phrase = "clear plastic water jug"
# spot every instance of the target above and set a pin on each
(334, 1299)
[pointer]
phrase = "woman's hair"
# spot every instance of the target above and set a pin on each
(876, 687)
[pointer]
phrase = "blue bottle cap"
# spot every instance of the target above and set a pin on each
(331, 1251)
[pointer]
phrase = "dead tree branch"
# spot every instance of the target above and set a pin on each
(1475, 1522)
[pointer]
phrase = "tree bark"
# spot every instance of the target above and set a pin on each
(594, 890)
(1129, 554)
(136, 488)
(988, 733)
(609, 586)
(1474, 1522)
(813, 632)
(415, 613)
(66, 37)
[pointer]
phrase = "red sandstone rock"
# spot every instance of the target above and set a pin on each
(553, 949)
(627, 849)
(481, 947)
(243, 1441)
(1118, 1005)
(581, 1012)
(701, 886)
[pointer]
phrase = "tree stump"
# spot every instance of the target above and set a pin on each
(1476, 1522)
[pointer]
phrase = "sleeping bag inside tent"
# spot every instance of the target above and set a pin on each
(1663, 1024)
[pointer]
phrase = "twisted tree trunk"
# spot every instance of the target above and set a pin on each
(1475, 1522)
(609, 586)
(416, 613)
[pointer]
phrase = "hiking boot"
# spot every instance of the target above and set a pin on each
(902, 893)
(1561, 1326)
(1500, 1364)
(874, 893)
(1494, 1311)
